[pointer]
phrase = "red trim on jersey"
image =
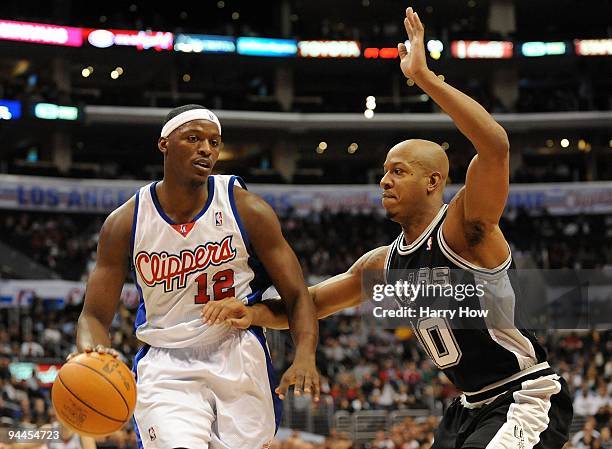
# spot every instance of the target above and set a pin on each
(184, 228)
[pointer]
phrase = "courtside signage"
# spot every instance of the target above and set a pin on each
(10, 110)
(40, 33)
(434, 47)
(142, 40)
(50, 111)
(382, 53)
(260, 46)
(536, 49)
(329, 49)
(593, 47)
(202, 43)
(481, 49)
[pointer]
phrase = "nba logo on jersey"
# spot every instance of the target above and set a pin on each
(218, 218)
(429, 241)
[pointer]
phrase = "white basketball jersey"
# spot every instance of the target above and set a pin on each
(179, 267)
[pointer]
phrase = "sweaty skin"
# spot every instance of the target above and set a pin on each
(412, 194)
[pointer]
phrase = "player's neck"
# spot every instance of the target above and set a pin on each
(418, 222)
(181, 202)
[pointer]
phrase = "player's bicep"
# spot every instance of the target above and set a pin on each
(486, 189)
(268, 242)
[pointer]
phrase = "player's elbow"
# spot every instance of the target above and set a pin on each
(493, 141)
(501, 143)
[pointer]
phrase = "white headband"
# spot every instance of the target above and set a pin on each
(187, 116)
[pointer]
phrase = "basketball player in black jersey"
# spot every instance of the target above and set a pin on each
(511, 397)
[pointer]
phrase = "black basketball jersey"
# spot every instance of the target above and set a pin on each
(478, 355)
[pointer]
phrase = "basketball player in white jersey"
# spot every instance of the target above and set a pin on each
(190, 240)
(511, 397)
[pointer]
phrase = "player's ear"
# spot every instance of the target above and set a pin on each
(435, 180)
(162, 145)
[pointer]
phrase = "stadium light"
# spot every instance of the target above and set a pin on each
(369, 113)
(114, 74)
(435, 48)
(371, 102)
(565, 143)
(352, 148)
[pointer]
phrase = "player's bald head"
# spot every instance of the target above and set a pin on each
(424, 153)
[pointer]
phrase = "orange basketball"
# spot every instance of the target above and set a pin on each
(94, 394)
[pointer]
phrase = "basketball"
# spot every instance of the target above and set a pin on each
(94, 394)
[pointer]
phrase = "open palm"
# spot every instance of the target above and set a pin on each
(413, 61)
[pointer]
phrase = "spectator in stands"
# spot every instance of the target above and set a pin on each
(30, 348)
(605, 438)
(601, 401)
(585, 437)
(381, 441)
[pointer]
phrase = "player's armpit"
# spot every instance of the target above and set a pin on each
(472, 233)
(106, 280)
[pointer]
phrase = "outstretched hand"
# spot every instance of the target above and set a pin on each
(229, 311)
(413, 61)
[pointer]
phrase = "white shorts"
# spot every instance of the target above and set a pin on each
(214, 396)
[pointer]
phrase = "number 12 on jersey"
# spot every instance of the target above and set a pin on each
(223, 286)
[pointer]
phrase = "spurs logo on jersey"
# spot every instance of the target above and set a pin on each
(178, 267)
(460, 350)
(171, 269)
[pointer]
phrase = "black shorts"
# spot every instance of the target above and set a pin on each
(535, 414)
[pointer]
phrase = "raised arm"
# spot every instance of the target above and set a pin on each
(281, 264)
(473, 217)
(106, 281)
(330, 296)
